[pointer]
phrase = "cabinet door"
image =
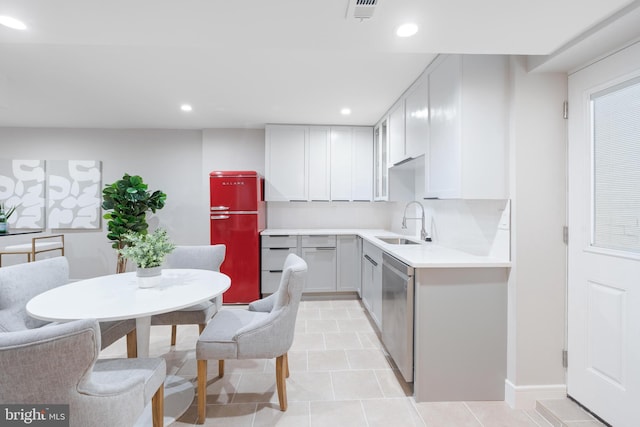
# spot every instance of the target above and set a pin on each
(443, 167)
(417, 119)
(367, 282)
(321, 275)
(341, 146)
(376, 295)
(348, 264)
(286, 171)
(397, 151)
(372, 280)
(319, 163)
(362, 164)
(380, 168)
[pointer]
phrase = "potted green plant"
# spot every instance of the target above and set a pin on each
(148, 252)
(127, 202)
(5, 213)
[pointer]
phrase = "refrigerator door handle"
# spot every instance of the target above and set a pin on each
(219, 216)
(219, 208)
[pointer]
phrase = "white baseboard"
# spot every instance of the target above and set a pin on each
(525, 396)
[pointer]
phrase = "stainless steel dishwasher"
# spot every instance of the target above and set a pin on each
(397, 313)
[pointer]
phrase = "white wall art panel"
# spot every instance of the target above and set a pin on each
(22, 185)
(74, 194)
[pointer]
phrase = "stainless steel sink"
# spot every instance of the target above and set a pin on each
(397, 241)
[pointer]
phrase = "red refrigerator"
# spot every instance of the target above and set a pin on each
(238, 216)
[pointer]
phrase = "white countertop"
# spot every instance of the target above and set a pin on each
(423, 255)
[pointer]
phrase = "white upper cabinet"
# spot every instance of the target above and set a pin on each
(286, 163)
(351, 163)
(417, 118)
(380, 161)
(468, 127)
(362, 164)
(319, 161)
(397, 150)
(341, 161)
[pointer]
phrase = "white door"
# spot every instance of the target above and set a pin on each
(604, 238)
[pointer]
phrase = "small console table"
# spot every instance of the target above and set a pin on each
(54, 242)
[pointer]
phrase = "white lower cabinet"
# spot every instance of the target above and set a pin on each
(320, 254)
(333, 263)
(274, 252)
(372, 281)
(321, 263)
(348, 264)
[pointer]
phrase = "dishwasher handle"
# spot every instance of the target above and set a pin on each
(396, 266)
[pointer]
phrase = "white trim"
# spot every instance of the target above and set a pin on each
(526, 396)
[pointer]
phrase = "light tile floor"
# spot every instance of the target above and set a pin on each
(340, 376)
(566, 413)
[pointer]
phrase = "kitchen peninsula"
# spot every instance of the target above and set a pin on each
(460, 303)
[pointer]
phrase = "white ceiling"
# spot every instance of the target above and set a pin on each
(244, 63)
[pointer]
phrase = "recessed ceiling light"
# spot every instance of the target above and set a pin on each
(345, 111)
(10, 22)
(407, 30)
(186, 107)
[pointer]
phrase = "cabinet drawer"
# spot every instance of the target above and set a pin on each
(273, 258)
(372, 252)
(323, 241)
(270, 281)
(284, 241)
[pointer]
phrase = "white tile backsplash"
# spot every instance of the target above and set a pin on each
(471, 225)
(328, 215)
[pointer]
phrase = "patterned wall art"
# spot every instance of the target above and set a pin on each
(74, 194)
(22, 184)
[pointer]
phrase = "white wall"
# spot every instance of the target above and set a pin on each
(167, 160)
(233, 149)
(537, 283)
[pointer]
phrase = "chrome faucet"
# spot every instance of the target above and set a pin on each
(423, 232)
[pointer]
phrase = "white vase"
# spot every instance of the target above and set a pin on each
(149, 277)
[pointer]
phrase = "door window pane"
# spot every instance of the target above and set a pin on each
(616, 167)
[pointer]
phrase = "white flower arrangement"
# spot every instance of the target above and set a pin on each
(147, 250)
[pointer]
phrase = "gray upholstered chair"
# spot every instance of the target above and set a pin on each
(58, 364)
(205, 257)
(244, 334)
(19, 283)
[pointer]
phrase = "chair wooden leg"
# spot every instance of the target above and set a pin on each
(286, 365)
(221, 368)
(202, 391)
(132, 344)
(157, 407)
(174, 332)
(281, 384)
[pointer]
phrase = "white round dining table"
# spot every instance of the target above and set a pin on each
(118, 297)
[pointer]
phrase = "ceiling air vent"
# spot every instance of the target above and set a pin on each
(361, 9)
